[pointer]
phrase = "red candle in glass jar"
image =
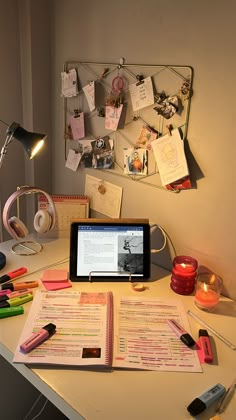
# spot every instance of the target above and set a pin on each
(183, 264)
(184, 273)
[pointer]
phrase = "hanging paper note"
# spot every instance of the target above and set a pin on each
(141, 94)
(145, 138)
(170, 157)
(77, 126)
(73, 160)
(113, 114)
(89, 92)
(69, 83)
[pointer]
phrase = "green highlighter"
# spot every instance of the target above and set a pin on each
(14, 310)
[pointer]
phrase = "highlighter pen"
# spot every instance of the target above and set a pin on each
(16, 301)
(4, 292)
(15, 294)
(38, 337)
(205, 344)
(200, 403)
(19, 286)
(184, 336)
(15, 310)
(13, 274)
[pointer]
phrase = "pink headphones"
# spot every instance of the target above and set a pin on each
(44, 220)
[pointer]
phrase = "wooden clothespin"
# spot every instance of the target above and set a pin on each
(169, 129)
(76, 113)
(140, 79)
(104, 73)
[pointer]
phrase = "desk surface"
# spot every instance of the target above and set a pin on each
(122, 394)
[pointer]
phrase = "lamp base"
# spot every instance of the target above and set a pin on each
(27, 248)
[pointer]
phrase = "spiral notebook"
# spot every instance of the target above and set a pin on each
(95, 330)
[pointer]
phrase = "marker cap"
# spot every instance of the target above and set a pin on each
(196, 407)
(188, 340)
(50, 328)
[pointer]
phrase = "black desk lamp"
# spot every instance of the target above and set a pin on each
(32, 142)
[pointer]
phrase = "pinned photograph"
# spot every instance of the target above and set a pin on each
(135, 161)
(103, 153)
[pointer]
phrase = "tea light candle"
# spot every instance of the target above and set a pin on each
(208, 290)
(206, 298)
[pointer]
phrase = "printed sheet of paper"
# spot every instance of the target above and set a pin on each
(170, 157)
(112, 118)
(141, 94)
(73, 160)
(77, 126)
(144, 340)
(81, 329)
(107, 203)
(89, 91)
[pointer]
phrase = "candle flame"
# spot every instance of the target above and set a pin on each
(183, 265)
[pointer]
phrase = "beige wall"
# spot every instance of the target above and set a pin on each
(200, 222)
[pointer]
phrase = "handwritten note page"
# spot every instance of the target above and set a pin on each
(73, 160)
(81, 328)
(69, 83)
(143, 339)
(141, 94)
(105, 200)
(89, 91)
(112, 118)
(170, 157)
(77, 126)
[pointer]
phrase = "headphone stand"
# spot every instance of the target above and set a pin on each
(27, 248)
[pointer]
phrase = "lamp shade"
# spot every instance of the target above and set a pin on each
(32, 142)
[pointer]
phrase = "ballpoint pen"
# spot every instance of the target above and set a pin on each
(226, 397)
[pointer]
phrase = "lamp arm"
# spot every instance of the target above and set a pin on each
(4, 148)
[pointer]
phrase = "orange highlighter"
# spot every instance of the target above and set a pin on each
(19, 286)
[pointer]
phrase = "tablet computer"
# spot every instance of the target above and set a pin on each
(109, 249)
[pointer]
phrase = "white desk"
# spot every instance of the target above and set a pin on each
(121, 394)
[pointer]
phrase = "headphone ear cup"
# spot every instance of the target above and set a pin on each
(42, 221)
(18, 226)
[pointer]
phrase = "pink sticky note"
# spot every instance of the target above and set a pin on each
(55, 279)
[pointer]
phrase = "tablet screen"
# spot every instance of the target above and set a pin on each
(109, 249)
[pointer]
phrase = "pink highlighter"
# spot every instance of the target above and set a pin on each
(38, 337)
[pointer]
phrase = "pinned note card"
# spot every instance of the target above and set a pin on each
(112, 119)
(77, 126)
(141, 94)
(170, 157)
(73, 160)
(69, 83)
(89, 91)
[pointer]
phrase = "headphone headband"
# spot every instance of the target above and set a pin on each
(21, 191)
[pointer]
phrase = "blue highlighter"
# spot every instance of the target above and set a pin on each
(204, 400)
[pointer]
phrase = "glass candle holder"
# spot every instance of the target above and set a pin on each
(208, 289)
(184, 272)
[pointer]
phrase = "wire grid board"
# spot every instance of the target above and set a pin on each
(165, 78)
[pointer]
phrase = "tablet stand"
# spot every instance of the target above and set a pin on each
(112, 272)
